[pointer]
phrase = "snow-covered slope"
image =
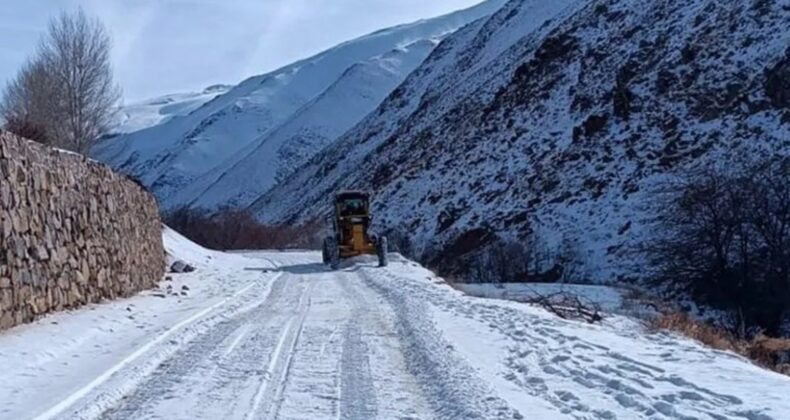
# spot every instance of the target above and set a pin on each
(141, 115)
(272, 157)
(188, 154)
(551, 368)
(558, 117)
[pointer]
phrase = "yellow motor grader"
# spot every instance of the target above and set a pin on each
(351, 237)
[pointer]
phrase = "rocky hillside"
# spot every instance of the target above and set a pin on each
(233, 148)
(554, 121)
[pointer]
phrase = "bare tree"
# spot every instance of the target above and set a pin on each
(66, 93)
(26, 104)
(724, 237)
(526, 259)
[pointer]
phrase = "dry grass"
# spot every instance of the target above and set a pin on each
(771, 353)
(706, 334)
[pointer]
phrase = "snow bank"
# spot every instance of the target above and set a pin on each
(178, 247)
(550, 368)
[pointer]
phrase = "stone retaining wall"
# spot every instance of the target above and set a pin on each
(71, 232)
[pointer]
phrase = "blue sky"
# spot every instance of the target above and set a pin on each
(167, 46)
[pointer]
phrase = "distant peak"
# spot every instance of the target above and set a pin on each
(217, 88)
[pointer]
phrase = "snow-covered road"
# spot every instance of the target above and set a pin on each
(277, 335)
(302, 352)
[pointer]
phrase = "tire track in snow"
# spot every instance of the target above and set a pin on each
(357, 395)
(268, 397)
(204, 355)
(106, 400)
(349, 363)
(549, 362)
(453, 388)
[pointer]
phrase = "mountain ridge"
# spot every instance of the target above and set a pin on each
(565, 136)
(169, 158)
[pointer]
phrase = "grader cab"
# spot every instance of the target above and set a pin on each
(351, 220)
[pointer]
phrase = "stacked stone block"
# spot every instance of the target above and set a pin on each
(72, 232)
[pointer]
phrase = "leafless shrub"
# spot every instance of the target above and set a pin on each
(400, 242)
(528, 259)
(723, 237)
(65, 95)
(504, 261)
(570, 258)
(239, 229)
(26, 103)
(641, 304)
(27, 128)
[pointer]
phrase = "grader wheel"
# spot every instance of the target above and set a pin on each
(330, 253)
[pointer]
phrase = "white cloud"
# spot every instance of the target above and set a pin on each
(164, 46)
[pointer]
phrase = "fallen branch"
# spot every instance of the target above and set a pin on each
(568, 306)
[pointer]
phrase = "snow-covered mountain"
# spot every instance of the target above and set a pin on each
(141, 115)
(556, 119)
(234, 147)
(271, 157)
